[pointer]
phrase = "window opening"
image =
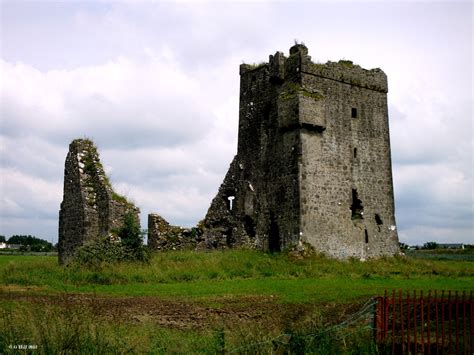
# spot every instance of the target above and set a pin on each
(366, 236)
(356, 208)
(230, 202)
(273, 236)
(249, 226)
(355, 153)
(378, 220)
(354, 112)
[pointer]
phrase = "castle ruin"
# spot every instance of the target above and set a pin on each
(313, 161)
(312, 166)
(90, 207)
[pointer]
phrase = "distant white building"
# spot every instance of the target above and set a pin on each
(3, 245)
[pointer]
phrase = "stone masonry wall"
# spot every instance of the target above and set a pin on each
(162, 236)
(90, 207)
(313, 161)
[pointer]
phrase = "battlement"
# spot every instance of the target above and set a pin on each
(281, 68)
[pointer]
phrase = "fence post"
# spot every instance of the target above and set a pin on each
(422, 311)
(437, 321)
(408, 321)
(414, 322)
(450, 321)
(471, 303)
(429, 322)
(402, 330)
(443, 332)
(386, 316)
(378, 319)
(464, 305)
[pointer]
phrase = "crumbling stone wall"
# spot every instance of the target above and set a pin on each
(162, 236)
(313, 161)
(90, 207)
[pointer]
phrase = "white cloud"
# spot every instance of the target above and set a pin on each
(28, 196)
(156, 86)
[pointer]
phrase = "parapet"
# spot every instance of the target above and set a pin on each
(283, 68)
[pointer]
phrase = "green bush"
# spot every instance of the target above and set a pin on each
(128, 246)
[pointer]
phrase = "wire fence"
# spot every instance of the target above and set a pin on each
(360, 321)
(434, 323)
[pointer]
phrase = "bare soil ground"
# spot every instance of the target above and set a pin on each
(267, 311)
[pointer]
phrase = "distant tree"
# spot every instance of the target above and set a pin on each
(430, 245)
(29, 242)
(403, 246)
(2, 239)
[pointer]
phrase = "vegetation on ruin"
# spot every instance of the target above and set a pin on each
(291, 90)
(116, 307)
(253, 66)
(95, 171)
(127, 246)
(120, 198)
(346, 63)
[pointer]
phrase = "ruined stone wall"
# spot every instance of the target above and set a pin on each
(262, 180)
(163, 237)
(313, 161)
(90, 207)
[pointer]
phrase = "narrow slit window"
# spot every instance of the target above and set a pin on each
(378, 220)
(354, 112)
(366, 236)
(355, 153)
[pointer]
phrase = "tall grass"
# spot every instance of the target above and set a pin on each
(50, 329)
(55, 329)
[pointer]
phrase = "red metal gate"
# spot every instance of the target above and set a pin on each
(437, 323)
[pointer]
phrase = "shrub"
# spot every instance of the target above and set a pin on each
(106, 249)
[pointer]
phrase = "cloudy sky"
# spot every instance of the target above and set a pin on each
(156, 85)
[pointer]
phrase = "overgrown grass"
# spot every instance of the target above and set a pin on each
(50, 329)
(239, 272)
(207, 279)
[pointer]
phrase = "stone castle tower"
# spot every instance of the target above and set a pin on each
(313, 161)
(90, 207)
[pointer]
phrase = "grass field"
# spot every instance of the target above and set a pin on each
(216, 302)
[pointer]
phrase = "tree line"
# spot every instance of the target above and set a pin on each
(28, 243)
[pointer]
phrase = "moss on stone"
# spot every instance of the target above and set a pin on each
(119, 198)
(292, 90)
(346, 63)
(253, 66)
